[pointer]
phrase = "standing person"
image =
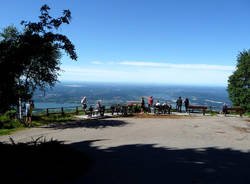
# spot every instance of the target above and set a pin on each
(28, 115)
(186, 103)
(224, 109)
(179, 104)
(142, 105)
(150, 103)
(84, 103)
(32, 106)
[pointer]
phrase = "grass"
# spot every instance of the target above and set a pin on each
(12, 125)
(213, 113)
(247, 114)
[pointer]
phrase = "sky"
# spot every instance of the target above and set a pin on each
(182, 42)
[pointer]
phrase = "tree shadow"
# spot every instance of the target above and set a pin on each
(41, 162)
(95, 123)
(142, 163)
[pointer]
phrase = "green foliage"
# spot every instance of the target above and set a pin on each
(31, 59)
(8, 121)
(53, 118)
(213, 113)
(239, 82)
(8, 124)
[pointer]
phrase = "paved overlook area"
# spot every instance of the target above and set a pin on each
(156, 149)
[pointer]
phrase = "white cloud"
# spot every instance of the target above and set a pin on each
(96, 62)
(147, 75)
(179, 66)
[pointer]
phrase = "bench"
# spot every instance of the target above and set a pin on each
(131, 103)
(100, 111)
(133, 106)
(119, 109)
(235, 109)
(162, 109)
(202, 108)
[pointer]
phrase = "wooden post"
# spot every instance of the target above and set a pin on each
(20, 108)
(76, 110)
(241, 113)
(47, 112)
(62, 111)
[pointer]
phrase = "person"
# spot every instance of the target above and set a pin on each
(157, 103)
(178, 104)
(27, 112)
(166, 107)
(90, 111)
(142, 105)
(150, 103)
(186, 103)
(224, 108)
(32, 106)
(84, 103)
(165, 103)
(98, 105)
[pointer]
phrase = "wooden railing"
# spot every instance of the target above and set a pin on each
(58, 110)
(132, 106)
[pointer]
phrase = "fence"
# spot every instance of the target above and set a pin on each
(134, 108)
(58, 110)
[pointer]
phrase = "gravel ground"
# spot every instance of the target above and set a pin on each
(206, 149)
(168, 131)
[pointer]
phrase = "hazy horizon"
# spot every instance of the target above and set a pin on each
(140, 83)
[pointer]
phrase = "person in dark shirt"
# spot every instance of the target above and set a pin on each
(178, 104)
(142, 105)
(186, 103)
(224, 108)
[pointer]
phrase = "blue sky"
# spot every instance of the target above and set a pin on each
(147, 41)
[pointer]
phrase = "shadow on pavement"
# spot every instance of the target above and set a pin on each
(103, 123)
(40, 162)
(142, 163)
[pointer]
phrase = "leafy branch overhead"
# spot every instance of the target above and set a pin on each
(30, 59)
(45, 27)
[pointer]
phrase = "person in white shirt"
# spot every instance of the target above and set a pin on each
(84, 103)
(28, 114)
(157, 103)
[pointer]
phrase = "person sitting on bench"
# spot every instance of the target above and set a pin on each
(97, 107)
(157, 103)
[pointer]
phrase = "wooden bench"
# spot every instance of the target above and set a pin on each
(162, 109)
(100, 111)
(192, 107)
(235, 109)
(119, 109)
(133, 104)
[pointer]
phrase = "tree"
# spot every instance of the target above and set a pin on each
(239, 82)
(31, 59)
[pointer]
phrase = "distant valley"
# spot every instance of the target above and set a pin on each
(112, 93)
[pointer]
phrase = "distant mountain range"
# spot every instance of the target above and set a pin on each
(114, 93)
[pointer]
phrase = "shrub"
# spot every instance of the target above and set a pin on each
(8, 121)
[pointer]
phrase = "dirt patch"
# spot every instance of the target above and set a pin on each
(220, 132)
(242, 129)
(162, 116)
